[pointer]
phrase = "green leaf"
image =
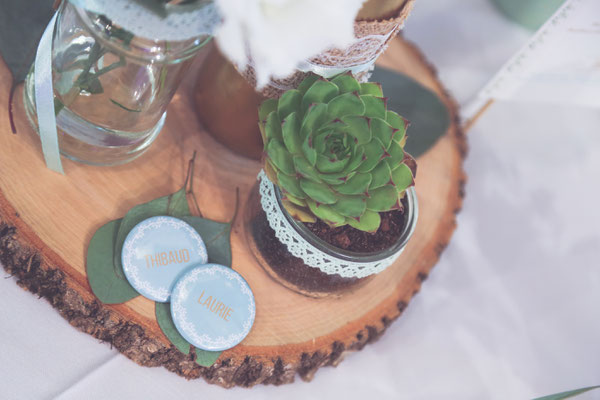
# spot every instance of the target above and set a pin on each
(336, 179)
(112, 66)
(397, 122)
(568, 394)
(178, 205)
(402, 177)
(350, 206)
(314, 119)
(106, 285)
(307, 83)
(266, 108)
(216, 237)
(382, 131)
(289, 102)
(305, 169)
(358, 184)
(206, 358)
(374, 151)
(375, 107)
(137, 214)
(291, 134)
(294, 200)
(368, 222)
(291, 185)
(382, 175)
(326, 213)
(383, 198)
(273, 127)
(355, 160)
(427, 113)
(330, 166)
(58, 106)
(346, 83)
(156, 6)
(357, 126)
(280, 157)
(372, 88)
(309, 152)
(162, 311)
(21, 26)
(396, 155)
(345, 104)
(318, 191)
(92, 86)
(121, 34)
(320, 92)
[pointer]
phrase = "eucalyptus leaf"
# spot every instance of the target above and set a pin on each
(168, 205)
(156, 6)
(216, 238)
(165, 321)
(21, 26)
(92, 86)
(428, 116)
(206, 358)
(178, 205)
(568, 394)
(108, 287)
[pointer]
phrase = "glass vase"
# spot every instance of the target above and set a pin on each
(293, 272)
(111, 88)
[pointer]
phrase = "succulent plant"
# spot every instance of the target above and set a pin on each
(336, 152)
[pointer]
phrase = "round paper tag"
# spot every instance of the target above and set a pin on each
(157, 251)
(213, 307)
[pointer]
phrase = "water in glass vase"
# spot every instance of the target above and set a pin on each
(111, 89)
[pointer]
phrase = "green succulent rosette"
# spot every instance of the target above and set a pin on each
(336, 152)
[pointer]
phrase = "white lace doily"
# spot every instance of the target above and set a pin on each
(182, 22)
(299, 247)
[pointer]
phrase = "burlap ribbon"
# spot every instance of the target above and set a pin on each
(372, 38)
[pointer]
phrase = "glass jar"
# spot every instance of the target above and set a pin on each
(111, 88)
(291, 271)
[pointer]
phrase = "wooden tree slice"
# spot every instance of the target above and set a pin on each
(47, 220)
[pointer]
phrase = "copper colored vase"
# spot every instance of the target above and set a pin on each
(227, 104)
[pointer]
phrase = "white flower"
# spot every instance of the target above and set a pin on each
(277, 34)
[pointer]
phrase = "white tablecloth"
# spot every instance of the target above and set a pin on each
(510, 312)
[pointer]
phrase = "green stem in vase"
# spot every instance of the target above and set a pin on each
(88, 80)
(163, 72)
(123, 107)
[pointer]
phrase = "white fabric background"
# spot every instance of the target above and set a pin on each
(510, 312)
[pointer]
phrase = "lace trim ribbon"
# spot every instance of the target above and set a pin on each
(299, 247)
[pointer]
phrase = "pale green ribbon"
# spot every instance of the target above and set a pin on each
(44, 99)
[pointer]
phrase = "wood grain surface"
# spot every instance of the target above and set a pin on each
(47, 220)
